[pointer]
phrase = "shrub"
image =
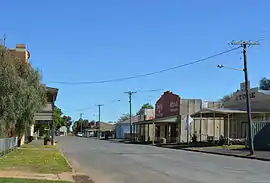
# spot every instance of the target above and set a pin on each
(222, 140)
(194, 138)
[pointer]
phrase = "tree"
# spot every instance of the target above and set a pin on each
(145, 106)
(225, 98)
(80, 124)
(21, 94)
(11, 87)
(58, 120)
(124, 117)
(67, 121)
(35, 99)
(265, 84)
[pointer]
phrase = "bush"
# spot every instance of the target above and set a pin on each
(47, 138)
(210, 139)
(194, 138)
(222, 140)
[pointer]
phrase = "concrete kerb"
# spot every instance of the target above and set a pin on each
(226, 154)
(68, 162)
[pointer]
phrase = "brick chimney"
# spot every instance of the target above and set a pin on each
(20, 52)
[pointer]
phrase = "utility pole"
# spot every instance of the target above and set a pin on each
(130, 93)
(247, 88)
(4, 40)
(99, 115)
(53, 125)
(81, 122)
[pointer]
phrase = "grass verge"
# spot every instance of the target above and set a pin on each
(35, 158)
(230, 147)
(11, 180)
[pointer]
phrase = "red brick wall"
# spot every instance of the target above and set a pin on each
(20, 52)
(167, 105)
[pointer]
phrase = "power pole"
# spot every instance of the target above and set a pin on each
(4, 40)
(130, 93)
(81, 122)
(53, 125)
(99, 115)
(247, 88)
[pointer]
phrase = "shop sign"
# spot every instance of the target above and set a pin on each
(167, 105)
(174, 107)
(243, 96)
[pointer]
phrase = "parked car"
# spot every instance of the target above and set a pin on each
(79, 134)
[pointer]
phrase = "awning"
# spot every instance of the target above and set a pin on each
(220, 112)
(169, 119)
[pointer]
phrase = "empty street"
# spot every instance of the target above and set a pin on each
(111, 162)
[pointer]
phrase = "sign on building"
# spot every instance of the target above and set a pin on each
(167, 105)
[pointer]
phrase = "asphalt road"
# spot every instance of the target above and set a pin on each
(107, 162)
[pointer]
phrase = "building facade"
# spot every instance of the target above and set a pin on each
(122, 129)
(231, 120)
(169, 125)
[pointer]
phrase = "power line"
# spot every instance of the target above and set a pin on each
(147, 74)
(146, 91)
(113, 101)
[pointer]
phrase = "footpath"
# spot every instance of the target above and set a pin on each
(234, 150)
(231, 151)
(37, 163)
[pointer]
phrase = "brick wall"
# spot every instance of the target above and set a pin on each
(20, 52)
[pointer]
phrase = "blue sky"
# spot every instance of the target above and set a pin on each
(104, 39)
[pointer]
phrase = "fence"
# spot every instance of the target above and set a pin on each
(7, 145)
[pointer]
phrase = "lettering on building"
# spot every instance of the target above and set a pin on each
(243, 96)
(159, 110)
(174, 106)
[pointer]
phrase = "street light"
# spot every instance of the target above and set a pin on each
(226, 67)
(247, 88)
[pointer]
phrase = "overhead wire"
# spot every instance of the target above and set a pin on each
(146, 74)
(113, 101)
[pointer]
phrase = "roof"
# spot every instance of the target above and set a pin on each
(106, 126)
(168, 119)
(103, 127)
(266, 92)
(134, 119)
(53, 91)
(220, 111)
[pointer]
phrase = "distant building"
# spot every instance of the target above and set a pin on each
(122, 128)
(106, 130)
(63, 131)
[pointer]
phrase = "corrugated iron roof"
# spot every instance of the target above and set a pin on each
(222, 111)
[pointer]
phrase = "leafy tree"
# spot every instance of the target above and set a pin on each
(67, 121)
(11, 88)
(21, 94)
(124, 117)
(145, 106)
(265, 84)
(58, 120)
(81, 124)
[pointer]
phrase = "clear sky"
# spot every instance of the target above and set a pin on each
(105, 39)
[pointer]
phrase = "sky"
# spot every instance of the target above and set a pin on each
(74, 41)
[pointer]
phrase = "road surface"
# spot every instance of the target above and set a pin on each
(107, 162)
